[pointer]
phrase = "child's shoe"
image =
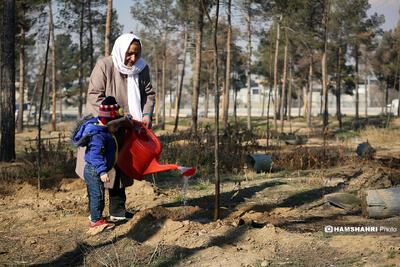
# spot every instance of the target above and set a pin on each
(100, 222)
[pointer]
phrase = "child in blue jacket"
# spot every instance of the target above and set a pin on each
(101, 155)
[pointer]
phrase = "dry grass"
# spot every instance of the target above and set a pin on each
(381, 136)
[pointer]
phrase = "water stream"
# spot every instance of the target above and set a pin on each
(185, 188)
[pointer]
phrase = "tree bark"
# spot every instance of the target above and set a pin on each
(249, 65)
(108, 29)
(163, 79)
(157, 108)
(310, 91)
(283, 91)
(80, 63)
(276, 70)
(91, 50)
(20, 117)
(61, 102)
(270, 82)
(197, 67)
(53, 70)
(324, 65)
(366, 92)
(178, 98)
(7, 148)
(225, 113)
(216, 107)
(290, 96)
(357, 82)
(338, 82)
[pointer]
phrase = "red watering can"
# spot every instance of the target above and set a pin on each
(140, 152)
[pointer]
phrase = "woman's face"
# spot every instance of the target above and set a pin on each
(132, 54)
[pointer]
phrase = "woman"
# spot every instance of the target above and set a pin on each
(125, 76)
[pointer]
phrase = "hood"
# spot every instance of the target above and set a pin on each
(84, 130)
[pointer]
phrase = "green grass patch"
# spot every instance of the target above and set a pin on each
(392, 254)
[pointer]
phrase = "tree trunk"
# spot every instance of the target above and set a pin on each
(207, 98)
(216, 111)
(235, 105)
(91, 51)
(61, 102)
(108, 29)
(357, 82)
(270, 82)
(366, 92)
(283, 91)
(7, 148)
(170, 91)
(178, 98)
(249, 65)
(20, 117)
(225, 113)
(338, 82)
(381, 203)
(80, 71)
(276, 70)
(197, 68)
(53, 70)
(310, 91)
(387, 97)
(157, 108)
(290, 96)
(39, 146)
(163, 79)
(324, 65)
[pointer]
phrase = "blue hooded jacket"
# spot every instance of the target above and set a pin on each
(101, 145)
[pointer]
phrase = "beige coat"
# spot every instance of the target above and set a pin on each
(105, 80)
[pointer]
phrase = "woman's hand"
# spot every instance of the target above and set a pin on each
(147, 121)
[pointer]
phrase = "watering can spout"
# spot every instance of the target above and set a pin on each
(139, 154)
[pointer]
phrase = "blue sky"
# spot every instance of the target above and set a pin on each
(389, 8)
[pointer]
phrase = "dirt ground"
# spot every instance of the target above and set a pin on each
(266, 219)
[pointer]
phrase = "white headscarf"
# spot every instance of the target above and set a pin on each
(121, 45)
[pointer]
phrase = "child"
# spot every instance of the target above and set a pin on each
(100, 156)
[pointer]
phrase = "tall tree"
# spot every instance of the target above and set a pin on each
(53, 69)
(326, 10)
(22, 26)
(197, 65)
(158, 16)
(249, 64)
(216, 105)
(179, 93)
(7, 148)
(283, 92)
(225, 101)
(108, 28)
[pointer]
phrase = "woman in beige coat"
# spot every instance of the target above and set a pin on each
(125, 76)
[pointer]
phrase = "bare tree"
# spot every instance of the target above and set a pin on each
(53, 69)
(197, 66)
(179, 94)
(216, 106)
(283, 92)
(108, 28)
(225, 101)
(325, 16)
(7, 148)
(249, 64)
(276, 70)
(20, 117)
